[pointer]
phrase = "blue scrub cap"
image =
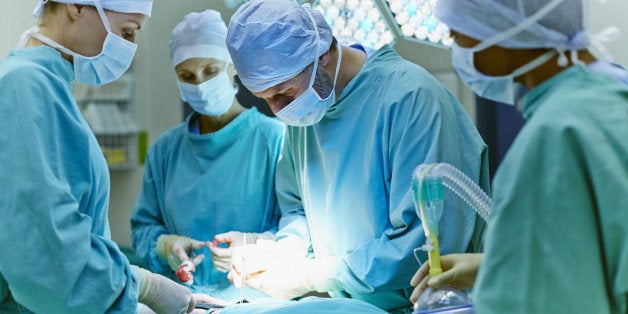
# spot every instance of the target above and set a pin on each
(271, 41)
(544, 24)
(199, 35)
(122, 6)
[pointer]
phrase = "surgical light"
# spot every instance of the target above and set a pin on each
(375, 23)
(356, 21)
(416, 20)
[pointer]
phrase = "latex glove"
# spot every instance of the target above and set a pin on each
(287, 276)
(204, 311)
(175, 249)
(252, 259)
(248, 260)
(204, 298)
(459, 271)
(163, 295)
(222, 256)
(144, 309)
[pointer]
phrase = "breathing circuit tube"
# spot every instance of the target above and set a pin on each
(428, 182)
(427, 191)
(457, 182)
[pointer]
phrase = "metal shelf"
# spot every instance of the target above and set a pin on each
(110, 111)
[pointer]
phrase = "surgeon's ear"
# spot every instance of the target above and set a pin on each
(75, 11)
(231, 70)
(323, 60)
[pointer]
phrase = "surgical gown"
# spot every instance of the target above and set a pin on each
(57, 255)
(350, 175)
(558, 239)
(200, 185)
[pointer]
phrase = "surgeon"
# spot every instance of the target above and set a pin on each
(359, 122)
(554, 243)
(57, 253)
(208, 182)
(460, 270)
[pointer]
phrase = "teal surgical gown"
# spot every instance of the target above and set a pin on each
(558, 238)
(200, 185)
(57, 255)
(344, 184)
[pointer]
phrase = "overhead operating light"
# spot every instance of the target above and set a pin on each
(233, 4)
(416, 21)
(356, 21)
(375, 23)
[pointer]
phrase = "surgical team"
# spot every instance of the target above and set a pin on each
(312, 210)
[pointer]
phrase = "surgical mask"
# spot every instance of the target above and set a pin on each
(114, 59)
(309, 108)
(211, 98)
(501, 89)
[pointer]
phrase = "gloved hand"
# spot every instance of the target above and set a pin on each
(175, 249)
(204, 298)
(284, 275)
(459, 271)
(251, 259)
(222, 256)
(143, 309)
(163, 295)
(247, 260)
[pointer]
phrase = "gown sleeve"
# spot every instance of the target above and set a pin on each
(147, 223)
(292, 223)
(427, 125)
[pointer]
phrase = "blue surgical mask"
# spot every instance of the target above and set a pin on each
(502, 89)
(211, 98)
(309, 108)
(114, 59)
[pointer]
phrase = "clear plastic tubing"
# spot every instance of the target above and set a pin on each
(459, 183)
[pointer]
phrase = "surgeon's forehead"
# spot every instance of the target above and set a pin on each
(273, 90)
(134, 18)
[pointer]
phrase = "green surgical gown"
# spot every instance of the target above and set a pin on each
(57, 255)
(344, 184)
(200, 185)
(558, 239)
